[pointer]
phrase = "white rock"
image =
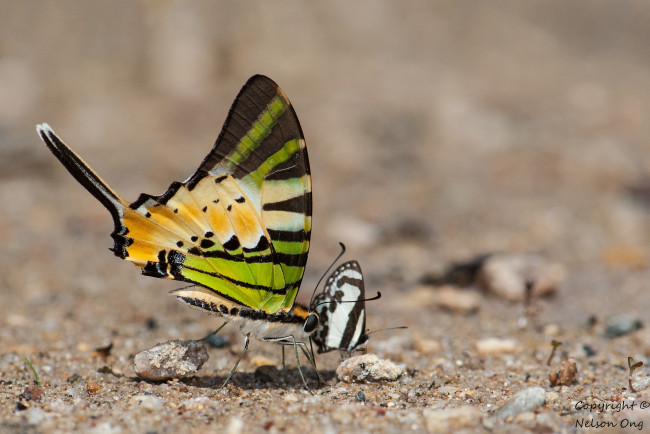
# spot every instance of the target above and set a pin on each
(173, 359)
(368, 367)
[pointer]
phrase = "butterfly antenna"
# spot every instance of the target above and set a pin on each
(376, 297)
(383, 330)
(327, 271)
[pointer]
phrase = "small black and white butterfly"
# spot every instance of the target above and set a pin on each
(341, 310)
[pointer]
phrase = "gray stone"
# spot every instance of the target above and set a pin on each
(173, 359)
(526, 400)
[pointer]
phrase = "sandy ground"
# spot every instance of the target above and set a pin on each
(437, 132)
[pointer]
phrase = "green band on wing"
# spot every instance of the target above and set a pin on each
(258, 131)
(282, 155)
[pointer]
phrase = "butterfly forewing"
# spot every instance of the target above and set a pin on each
(341, 310)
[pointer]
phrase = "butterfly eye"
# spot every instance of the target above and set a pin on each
(311, 323)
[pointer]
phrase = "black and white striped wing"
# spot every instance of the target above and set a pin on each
(341, 326)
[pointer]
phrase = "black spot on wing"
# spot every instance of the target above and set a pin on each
(206, 244)
(262, 245)
(232, 243)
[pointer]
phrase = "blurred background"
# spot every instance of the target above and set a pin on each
(437, 131)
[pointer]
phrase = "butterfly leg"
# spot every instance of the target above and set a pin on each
(234, 368)
(310, 356)
(284, 365)
(290, 340)
(214, 332)
(295, 348)
(321, 382)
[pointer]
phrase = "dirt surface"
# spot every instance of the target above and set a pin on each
(437, 131)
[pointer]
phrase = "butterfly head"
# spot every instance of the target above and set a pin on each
(309, 317)
(311, 322)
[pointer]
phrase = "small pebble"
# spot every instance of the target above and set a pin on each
(494, 346)
(458, 300)
(452, 419)
(149, 403)
(31, 393)
(368, 367)
(526, 400)
(93, 386)
(508, 275)
(564, 374)
(620, 325)
(173, 359)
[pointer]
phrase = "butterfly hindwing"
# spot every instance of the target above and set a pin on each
(341, 326)
(240, 225)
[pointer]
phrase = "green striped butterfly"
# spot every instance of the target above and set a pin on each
(237, 230)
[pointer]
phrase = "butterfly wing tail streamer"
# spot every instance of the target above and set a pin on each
(83, 173)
